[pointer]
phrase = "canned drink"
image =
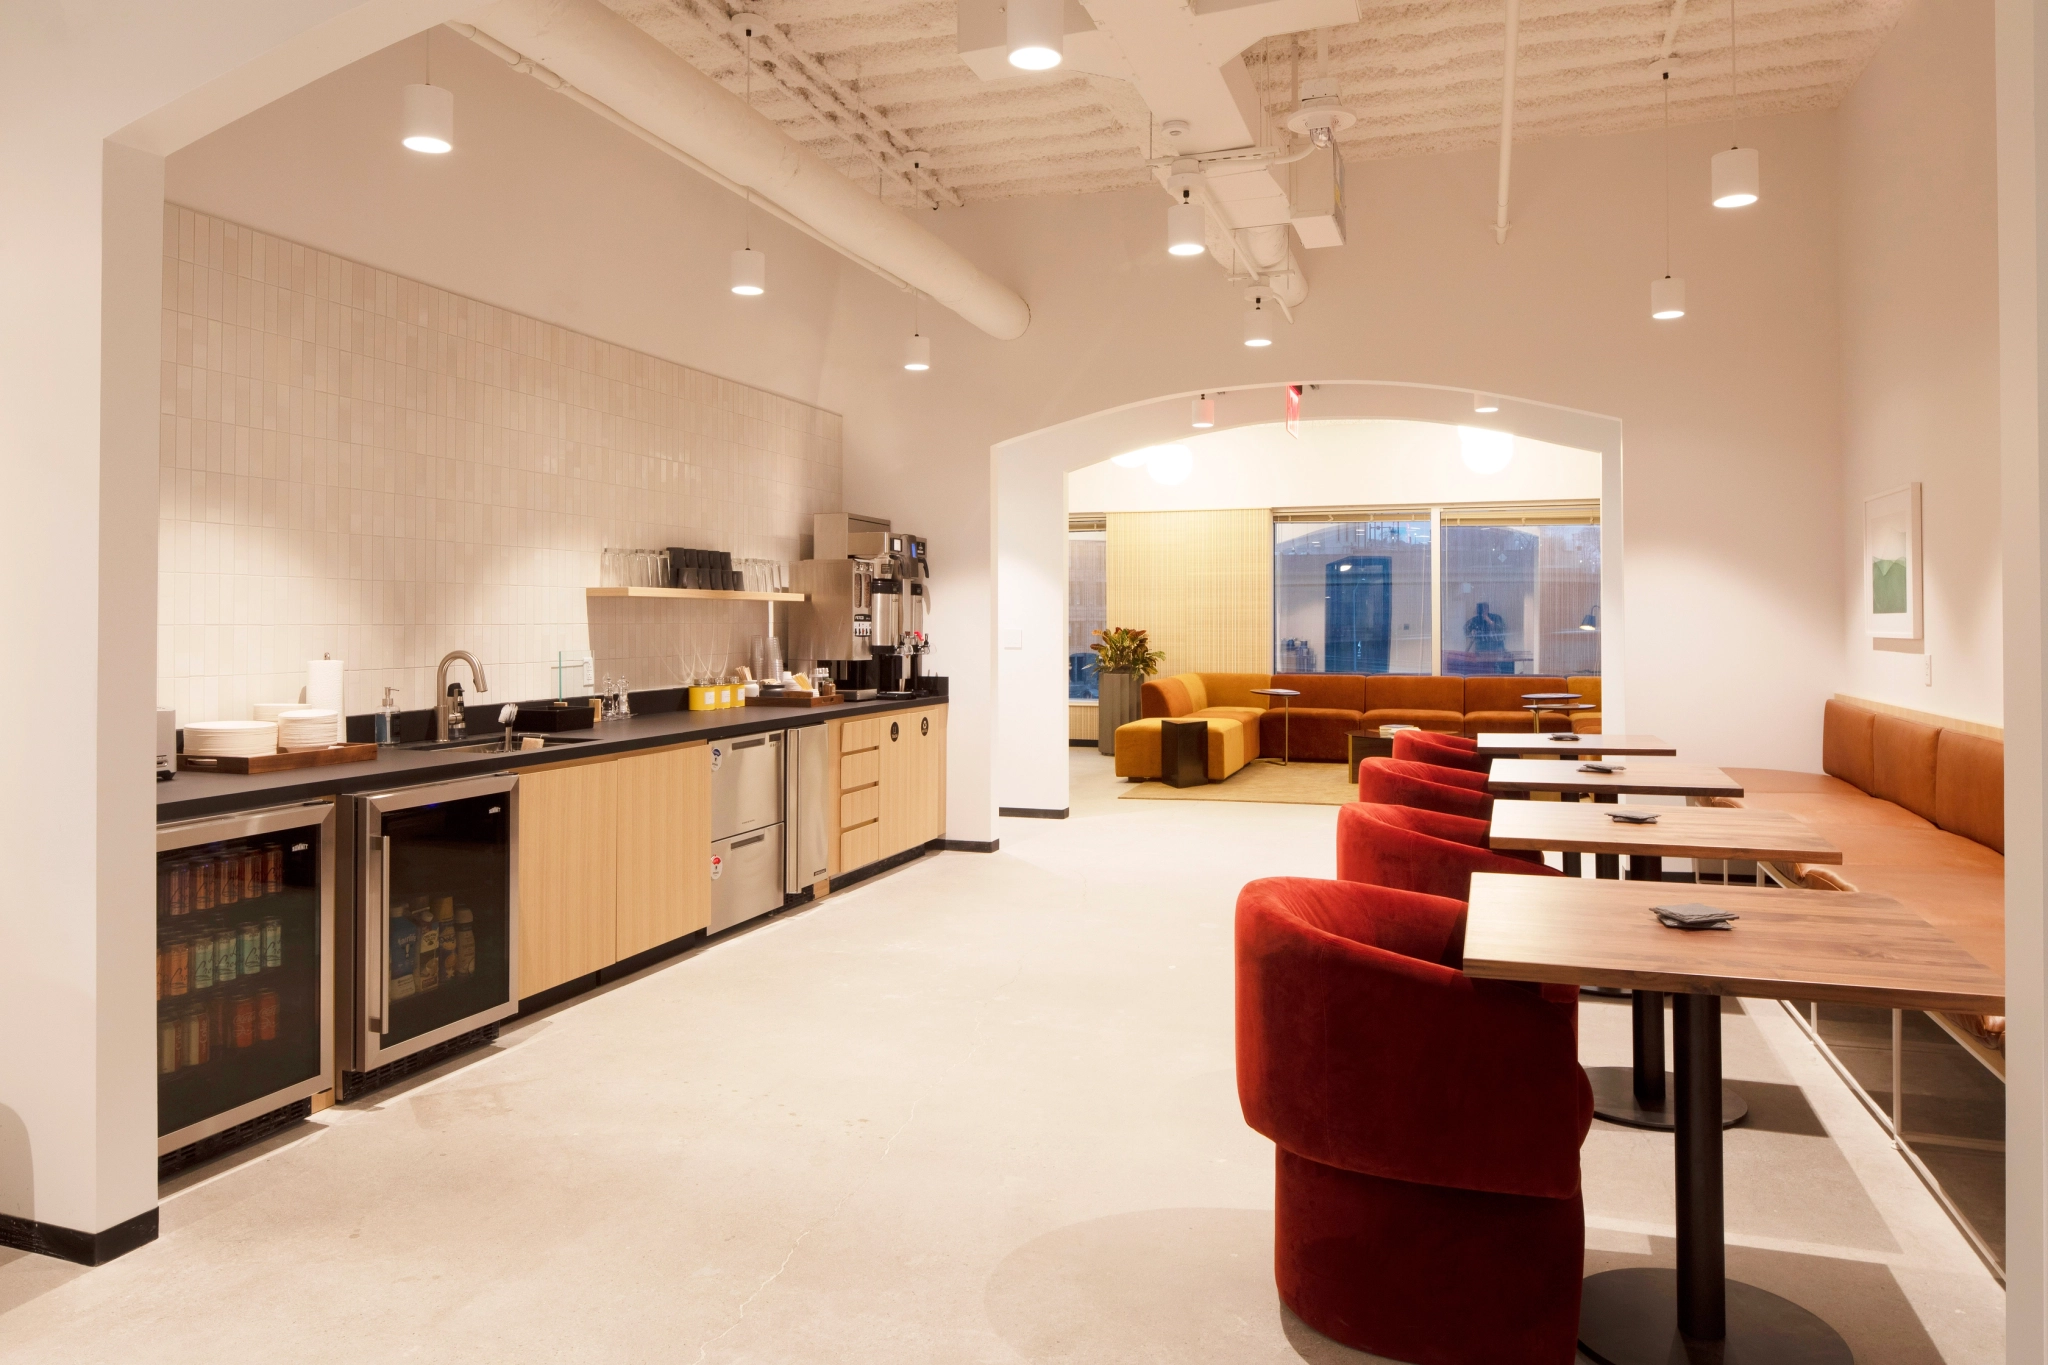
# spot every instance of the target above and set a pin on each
(266, 1016)
(251, 864)
(273, 943)
(198, 1045)
(227, 880)
(202, 963)
(217, 1015)
(166, 1046)
(245, 1021)
(252, 948)
(178, 980)
(224, 957)
(202, 883)
(174, 889)
(273, 869)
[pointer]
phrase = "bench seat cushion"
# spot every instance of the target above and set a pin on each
(1441, 722)
(1246, 716)
(1315, 733)
(1137, 748)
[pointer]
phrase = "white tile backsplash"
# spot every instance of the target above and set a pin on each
(359, 465)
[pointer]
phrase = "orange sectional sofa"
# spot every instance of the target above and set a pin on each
(1333, 705)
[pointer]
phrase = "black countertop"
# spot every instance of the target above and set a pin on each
(193, 794)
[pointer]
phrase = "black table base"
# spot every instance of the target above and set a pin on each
(1696, 1315)
(1615, 1100)
(1630, 1317)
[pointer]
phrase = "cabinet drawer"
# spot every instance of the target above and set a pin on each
(857, 808)
(856, 735)
(859, 847)
(860, 770)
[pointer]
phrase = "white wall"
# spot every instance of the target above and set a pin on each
(1336, 464)
(1919, 300)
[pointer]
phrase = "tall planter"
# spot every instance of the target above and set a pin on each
(1119, 706)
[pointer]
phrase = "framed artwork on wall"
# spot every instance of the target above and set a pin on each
(1891, 564)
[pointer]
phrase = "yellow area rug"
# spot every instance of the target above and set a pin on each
(1298, 783)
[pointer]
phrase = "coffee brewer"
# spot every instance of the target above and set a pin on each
(866, 614)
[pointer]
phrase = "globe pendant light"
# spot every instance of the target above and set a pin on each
(1035, 29)
(429, 112)
(1258, 322)
(1737, 172)
(749, 272)
(1667, 295)
(749, 267)
(1204, 414)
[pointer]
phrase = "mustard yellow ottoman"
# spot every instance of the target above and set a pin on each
(1137, 747)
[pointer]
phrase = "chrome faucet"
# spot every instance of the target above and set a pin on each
(448, 717)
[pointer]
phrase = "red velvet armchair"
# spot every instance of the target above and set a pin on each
(1421, 850)
(1446, 751)
(1428, 1126)
(1424, 786)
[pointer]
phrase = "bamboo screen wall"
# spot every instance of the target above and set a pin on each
(1200, 582)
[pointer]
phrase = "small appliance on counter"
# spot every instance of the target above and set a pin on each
(431, 921)
(747, 864)
(244, 943)
(869, 594)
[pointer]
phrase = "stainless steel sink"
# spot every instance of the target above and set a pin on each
(497, 746)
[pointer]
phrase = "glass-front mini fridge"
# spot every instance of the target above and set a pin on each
(433, 921)
(244, 941)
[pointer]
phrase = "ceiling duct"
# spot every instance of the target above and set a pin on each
(616, 63)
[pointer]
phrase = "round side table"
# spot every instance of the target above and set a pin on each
(1286, 696)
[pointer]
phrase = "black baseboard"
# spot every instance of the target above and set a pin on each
(625, 967)
(894, 860)
(1085, 744)
(356, 1084)
(241, 1135)
(80, 1248)
(1032, 813)
(965, 845)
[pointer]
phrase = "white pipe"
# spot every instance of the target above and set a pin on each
(1269, 252)
(528, 67)
(634, 74)
(1507, 123)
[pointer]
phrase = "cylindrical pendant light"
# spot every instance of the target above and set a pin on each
(1258, 323)
(429, 118)
(1667, 298)
(917, 352)
(1204, 414)
(749, 272)
(1185, 234)
(1736, 177)
(1035, 29)
(1485, 402)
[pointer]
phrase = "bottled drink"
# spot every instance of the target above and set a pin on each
(430, 948)
(465, 942)
(444, 926)
(405, 947)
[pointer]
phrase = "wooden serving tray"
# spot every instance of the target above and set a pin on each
(803, 699)
(276, 763)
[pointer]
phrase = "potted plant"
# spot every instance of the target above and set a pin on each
(1124, 658)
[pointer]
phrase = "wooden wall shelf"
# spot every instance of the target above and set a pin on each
(713, 594)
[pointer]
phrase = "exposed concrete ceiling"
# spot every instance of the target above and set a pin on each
(862, 82)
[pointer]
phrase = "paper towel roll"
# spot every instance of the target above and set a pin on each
(324, 690)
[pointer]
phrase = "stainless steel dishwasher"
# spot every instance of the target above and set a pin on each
(746, 828)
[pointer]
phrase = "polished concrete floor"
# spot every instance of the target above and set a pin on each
(978, 1110)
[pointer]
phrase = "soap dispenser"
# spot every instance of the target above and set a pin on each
(387, 719)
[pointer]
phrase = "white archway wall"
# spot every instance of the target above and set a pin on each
(1030, 761)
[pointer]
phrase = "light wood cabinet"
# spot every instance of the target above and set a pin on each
(888, 785)
(664, 847)
(568, 872)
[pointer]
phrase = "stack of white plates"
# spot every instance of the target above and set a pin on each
(271, 710)
(309, 728)
(229, 738)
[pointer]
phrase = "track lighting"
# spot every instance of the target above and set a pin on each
(1205, 413)
(1258, 322)
(1736, 172)
(1035, 29)
(1484, 450)
(1667, 298)
(917, 352)
(1485, 402)
(429, 118)
(749, 272)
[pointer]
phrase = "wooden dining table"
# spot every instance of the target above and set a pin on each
(1500, 745)
(1639, 1095)
(1641, 777)
(1830, 946)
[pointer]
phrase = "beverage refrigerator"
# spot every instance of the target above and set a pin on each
(245, 939)
(432, 923)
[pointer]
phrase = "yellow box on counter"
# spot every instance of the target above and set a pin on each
(716, 697)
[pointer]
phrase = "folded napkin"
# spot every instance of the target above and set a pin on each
(1692, 915)
(1632, 817)
(1603, 767)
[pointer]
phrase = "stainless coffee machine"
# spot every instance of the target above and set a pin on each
(870, 594)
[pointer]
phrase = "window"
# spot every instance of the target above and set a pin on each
(1087, 608)
(1520, 598)
(1352, 596)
